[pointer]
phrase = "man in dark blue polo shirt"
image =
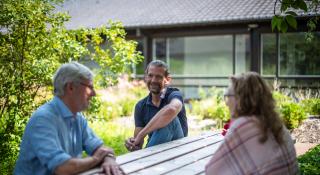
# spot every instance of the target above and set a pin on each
(161, 115)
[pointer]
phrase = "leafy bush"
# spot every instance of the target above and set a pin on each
(311, 106)
(211, 106)
(316, 107)
(117, 101)
(309, 163)
(113, 134)
(33, 43)
(280, 98)
(292, 114)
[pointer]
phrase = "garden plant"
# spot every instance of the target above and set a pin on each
(33, 43)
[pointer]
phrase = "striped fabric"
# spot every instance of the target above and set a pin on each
(241, 152)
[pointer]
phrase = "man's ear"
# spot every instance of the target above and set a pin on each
(69, 87)
(167, 80)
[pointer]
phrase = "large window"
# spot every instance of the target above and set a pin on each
(268, 54)
(208, 56)
(242, 53)
(203, 60)
(299, 57)
(296, 57)
(160, 49)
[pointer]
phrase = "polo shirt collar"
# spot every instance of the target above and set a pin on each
(62, 108)
(162, 96)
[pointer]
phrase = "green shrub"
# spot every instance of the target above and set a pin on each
(309, 163)
(113, 134)
(117, 101)
(311, 106)
(127, 105)
(292, 114)
(280, 98)
(33, 43)
(109, 111)
(203, 108)
(11, 146)
(316, 107)
(211, 106)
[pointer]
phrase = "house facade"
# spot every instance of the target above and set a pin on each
(206, 41)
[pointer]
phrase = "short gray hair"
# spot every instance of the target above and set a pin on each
(70, 72)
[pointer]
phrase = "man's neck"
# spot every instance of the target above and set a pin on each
(156, 99)
(68, 102)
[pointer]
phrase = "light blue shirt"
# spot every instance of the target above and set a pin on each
(52, 136)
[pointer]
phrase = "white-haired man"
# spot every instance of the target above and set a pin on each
(57, 133)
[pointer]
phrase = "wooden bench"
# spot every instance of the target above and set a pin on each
(185, 156)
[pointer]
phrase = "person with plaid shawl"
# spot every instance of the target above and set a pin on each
(257, 142)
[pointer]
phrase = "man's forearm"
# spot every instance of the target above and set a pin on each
(160, 120)
(77, 165)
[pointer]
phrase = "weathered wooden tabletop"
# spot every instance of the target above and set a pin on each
(186, 156)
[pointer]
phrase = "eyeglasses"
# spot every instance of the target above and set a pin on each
(87, 85)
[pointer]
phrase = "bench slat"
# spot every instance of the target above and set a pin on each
(192, 169)
(181, 161)
(170, 154)
(133, 156)
(170, 158)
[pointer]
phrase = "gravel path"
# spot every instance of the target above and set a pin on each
(307, 135)
(308, 131)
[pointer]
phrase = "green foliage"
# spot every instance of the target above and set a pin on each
(94, 107)
(311, 106)
(309, 163)
(281, 22)
(113, 134)
(211, 106)
(280, 98)
(33, 44)
(287, 15)
(110, 50)
(315, 109)
(292, 114)
(117, 101)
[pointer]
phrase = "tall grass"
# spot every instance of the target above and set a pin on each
(113, 134)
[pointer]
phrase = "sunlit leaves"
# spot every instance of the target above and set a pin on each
(288, 11)
(33, 44)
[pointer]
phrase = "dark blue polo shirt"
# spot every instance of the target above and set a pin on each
(145, 110)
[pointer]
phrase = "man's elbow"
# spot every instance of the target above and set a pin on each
(174, 110)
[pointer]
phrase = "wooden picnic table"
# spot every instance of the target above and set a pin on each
(186, 156)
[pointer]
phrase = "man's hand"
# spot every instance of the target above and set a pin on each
(138, 140)
(129, 143)
(101, 153)
(110, 167)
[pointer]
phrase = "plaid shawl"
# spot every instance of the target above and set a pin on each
(241, 152)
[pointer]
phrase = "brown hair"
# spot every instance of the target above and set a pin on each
(254, 99)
